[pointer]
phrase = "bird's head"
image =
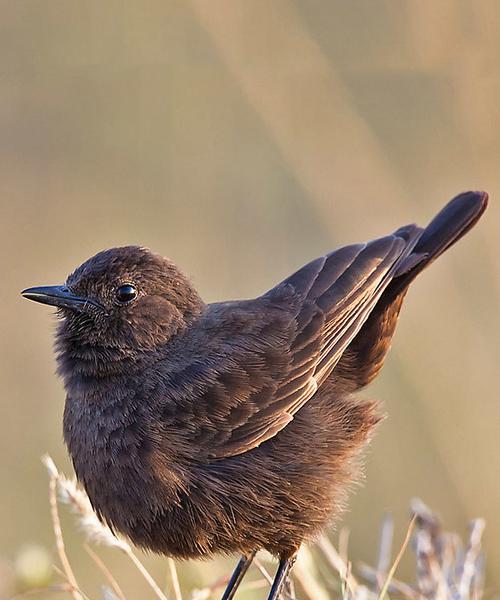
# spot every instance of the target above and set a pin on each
(127, 299)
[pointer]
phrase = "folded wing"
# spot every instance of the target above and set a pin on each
(326, 303)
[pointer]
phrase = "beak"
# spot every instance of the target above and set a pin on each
(58, 295)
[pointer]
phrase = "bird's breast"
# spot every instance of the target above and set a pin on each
(113, 454)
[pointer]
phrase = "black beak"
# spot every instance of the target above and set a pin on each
(58, 295)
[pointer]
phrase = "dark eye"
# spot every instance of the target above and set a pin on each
(126, 293)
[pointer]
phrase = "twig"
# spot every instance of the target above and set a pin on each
(334, 559)
(206, 592)
(174, 578)
(290, 588)
(392, 570)
(303, 573)
(145, 573)
(254, 585)
(56, 524)
(345, 587)
(106, 572)
(385, 549)
(396, 586)
(343, 551)
(62, 574)
(471, 556)
(264, 572)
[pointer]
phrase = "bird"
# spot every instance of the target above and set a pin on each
(232, 427)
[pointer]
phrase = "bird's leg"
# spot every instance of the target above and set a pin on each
(281, 576)
(237, 576)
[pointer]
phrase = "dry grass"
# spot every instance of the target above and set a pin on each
(445, 568)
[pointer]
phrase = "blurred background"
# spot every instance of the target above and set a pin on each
(243, 139)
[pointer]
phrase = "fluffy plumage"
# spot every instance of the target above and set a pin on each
(231, 427)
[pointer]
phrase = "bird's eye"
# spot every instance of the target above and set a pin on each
(126, 293)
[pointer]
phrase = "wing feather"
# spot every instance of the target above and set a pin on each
(333, 296)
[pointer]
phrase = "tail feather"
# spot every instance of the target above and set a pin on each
(447, 227)
(365, 355)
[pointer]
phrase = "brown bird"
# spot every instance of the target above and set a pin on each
(231, 427)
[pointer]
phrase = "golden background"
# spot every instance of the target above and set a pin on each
(243, 138)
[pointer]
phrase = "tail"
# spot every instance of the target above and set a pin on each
(365, 355)
(447, 227)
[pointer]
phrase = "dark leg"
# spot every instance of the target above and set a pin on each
(237, 576)
(280, 578)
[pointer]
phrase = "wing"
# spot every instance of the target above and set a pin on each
(277, 350)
